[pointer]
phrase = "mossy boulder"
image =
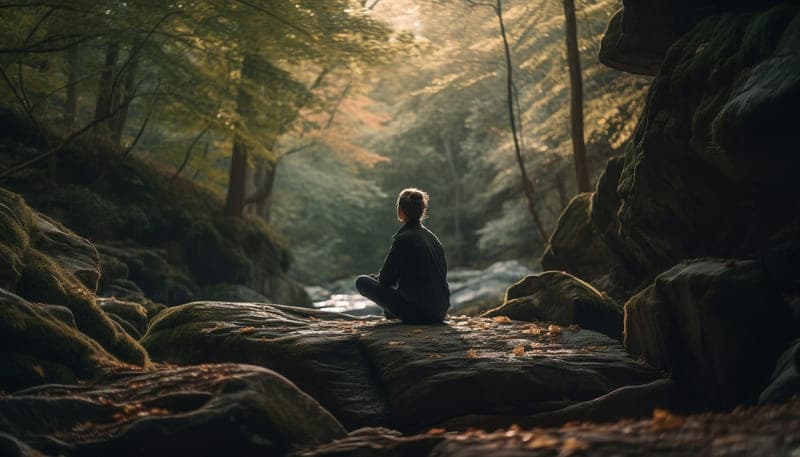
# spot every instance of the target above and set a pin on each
(133, 313)
(558, 297)
(150, 271)
(717, 325)
(37, 348)
(208, 410)
(73, 253)
(46, 281)
(15, 225)
(45, 262)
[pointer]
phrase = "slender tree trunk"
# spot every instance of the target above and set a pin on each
(527, 184)
(118, 121)
(237, 179)
(263, 207)
(71, 104)
(576, 98)
(104, 91)
(456, 179)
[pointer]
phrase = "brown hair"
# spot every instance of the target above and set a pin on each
(414, 203)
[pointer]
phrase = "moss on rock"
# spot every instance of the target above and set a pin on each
(45, 281)
(15, 222)
(37, 348)
(555, 296)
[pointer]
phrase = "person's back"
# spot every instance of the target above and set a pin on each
(423, 277)
(412, 283)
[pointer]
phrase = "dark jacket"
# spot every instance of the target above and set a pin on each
(416, 265)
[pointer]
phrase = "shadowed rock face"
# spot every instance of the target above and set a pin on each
(373, 372)
(718, 326)
(228, 409)
(640, 33)
(756, 432)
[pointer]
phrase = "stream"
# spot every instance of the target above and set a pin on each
(471, 290)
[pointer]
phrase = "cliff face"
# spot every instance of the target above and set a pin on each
(710, 173)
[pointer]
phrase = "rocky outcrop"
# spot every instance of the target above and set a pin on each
(717, 326)
(38, 348)
(368, 371)
(640, 34)
(711, 167)
(585, 241)
(237, 410)
(48, 264)
(758, 432)
(558, 297)
(75, 254)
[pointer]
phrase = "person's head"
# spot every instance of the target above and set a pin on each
(412, 205)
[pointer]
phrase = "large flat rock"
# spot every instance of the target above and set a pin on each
(230, 409)
(370, 371)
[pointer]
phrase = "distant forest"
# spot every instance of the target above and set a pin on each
(312, 116)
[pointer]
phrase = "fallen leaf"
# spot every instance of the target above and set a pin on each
(472, 353)
(502, 320)
(437, 431)
(435, 355)
(38, 369)
(532, 330)
(518, 351)
(543, 441)
(246, 330)
(554, 329)
(664, 420)
(571, 446)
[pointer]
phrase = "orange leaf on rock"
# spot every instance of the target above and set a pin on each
(472, 353)
(664, 420)
(571, 446)
(437, 431)
(543, 441)
(502, 320)
(518, 351)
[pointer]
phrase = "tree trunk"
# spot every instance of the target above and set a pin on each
(456, 179)
(264, 205)
(119, 119)
(104, 91)
(71, 104)
(237, 179)
(527, 184)
(576, 99)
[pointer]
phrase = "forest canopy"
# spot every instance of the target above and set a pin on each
(312, 115)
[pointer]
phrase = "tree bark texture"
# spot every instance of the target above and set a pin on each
(576, 99)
